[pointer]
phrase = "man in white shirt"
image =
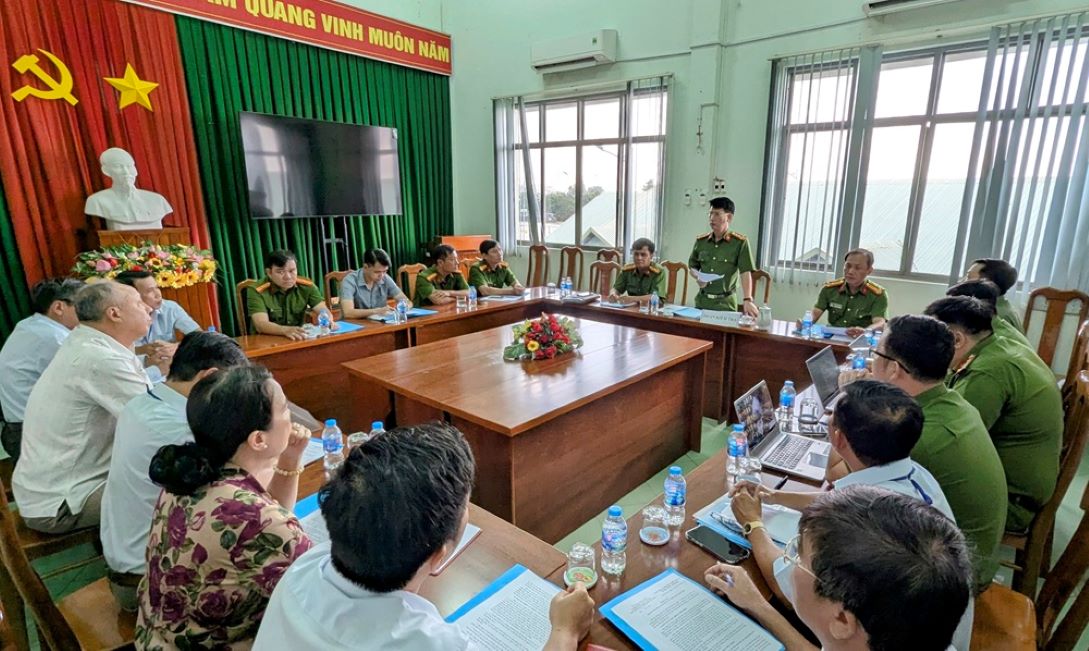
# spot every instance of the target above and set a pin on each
(360, 590)
(72, 411)
(148, 422)
(873, 569)
(167, 320)
(30, 348)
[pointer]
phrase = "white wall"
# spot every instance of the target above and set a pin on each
(719, 52)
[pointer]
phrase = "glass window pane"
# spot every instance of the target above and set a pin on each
(533, 123)
(823, 96)
(561, 122)
(601, 119)
(559, 195)
(646, 176)
(893, 151)
(1008, 78)
(1067, 80)
(600, 165)
(962, 81)
(648, 113)
(520, 189)
(903, 87)
(943, 197)
(814, 165)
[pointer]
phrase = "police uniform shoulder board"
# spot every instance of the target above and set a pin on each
(481, 264)
(874, 288)
(655, 268)
(628, 267)
(960, 370)
(503, 265)
(305, 282)
(704, 236)
(431, 278)
(736, 234)
(838, 282)
(261, 289)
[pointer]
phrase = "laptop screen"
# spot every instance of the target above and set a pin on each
(756, 412)
(824, 371)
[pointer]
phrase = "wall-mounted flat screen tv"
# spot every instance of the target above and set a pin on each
(313, 168)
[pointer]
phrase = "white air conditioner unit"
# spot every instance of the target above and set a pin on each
(572, 53)
(886, 7)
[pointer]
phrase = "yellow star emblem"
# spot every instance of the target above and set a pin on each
(133, 89)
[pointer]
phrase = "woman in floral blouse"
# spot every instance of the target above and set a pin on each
(223, 533)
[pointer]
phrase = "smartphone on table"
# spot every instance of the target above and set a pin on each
(715, 544)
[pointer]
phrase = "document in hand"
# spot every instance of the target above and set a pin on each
(510, 614)
(674, 613)
(707, 278)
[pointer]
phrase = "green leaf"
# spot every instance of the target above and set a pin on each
(228, 539)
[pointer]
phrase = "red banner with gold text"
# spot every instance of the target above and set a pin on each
(326, 24)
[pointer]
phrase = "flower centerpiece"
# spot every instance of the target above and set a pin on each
(543, 338)
(174, 265)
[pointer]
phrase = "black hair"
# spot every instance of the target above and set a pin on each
(970, 314)
(898, 565)
(724, 204)
(279, 258)
(200, 351)
(376, 256)
(223, 410)
(49, 291)
(441, 252)
(882, 423)
(397, 500)
(984, 290)
(487, 245)
(643, 243)
(863, 252)
(130, 277)
(997, 271)
(923, 345)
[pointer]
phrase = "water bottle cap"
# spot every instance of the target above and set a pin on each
(332, 422)
(211, 328)
(789, 383)
(615, 511)
(738, 427)
(674, 470)
(376, 424)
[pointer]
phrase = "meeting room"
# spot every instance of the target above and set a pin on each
(434, 324)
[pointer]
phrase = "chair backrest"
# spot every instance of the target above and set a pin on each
(757, 276)
(51, 623)
(1055, 302)
(609, 255)
(240, 305)
(678, 273)
(538, 265)
(463, 267)
(333, 297)
(1079, 361)
(602, 274)
(1066, 576)
(571, 265)
(406, 278)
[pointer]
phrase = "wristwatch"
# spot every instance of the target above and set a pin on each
(746, 300)
(752, 526)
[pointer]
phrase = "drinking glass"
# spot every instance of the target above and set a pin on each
(654, 531)
(581, 561)
(809, 412)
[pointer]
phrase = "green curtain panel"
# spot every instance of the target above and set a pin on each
(14, 296)
(229, 70)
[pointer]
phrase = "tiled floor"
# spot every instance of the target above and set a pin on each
(713, 440)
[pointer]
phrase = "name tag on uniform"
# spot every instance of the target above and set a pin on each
(836, 306)
(721, 317)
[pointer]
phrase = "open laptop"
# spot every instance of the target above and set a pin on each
(778, 450)
(824, 371)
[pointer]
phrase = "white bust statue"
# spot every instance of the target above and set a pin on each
(124, 206)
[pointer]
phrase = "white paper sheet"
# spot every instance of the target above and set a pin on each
(515, 618)
(677, 614)
(313, 452)
(500, 298)
(314, 526)
(471, 531)
(707, 278)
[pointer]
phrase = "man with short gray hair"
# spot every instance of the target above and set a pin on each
(72, 410)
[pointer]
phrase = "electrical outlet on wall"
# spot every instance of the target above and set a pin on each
(719, 185)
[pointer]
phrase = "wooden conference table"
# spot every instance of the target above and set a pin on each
(557, 440)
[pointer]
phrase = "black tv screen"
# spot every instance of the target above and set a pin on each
(313, 168)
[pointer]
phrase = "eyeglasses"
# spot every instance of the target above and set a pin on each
(792, 556)
(883, 355)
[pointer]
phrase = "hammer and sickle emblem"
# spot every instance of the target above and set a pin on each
(58, 89)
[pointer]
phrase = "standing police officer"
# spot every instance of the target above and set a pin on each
(726, 253)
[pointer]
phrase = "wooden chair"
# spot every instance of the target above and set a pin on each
(240, 305)
(1079, 361)
(571, 265)
(406, 278)
(757, 276)
(678, 273)
(602, 275)
(7, 469)
(1003, 620)
(464, 265)
(1031, 547)
(609, 255)
(19, 546)
(331, 298)
(1055, 303)
(538, 265)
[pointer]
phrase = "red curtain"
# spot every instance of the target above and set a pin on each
(49, 149)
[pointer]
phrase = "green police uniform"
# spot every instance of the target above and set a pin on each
(428, 281)
(729, 257)
(956, 448)
(481, 274)
(633, 283)
(1016, 396)
(283, 308)
(1004, 329)
(847, 309)
(1007, 313)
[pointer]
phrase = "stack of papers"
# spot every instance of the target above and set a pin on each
(781, 523)
(501, 299)
(616, 304)
(510, 614)
(686, 312)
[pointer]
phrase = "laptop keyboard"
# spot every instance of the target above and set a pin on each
(789, 452)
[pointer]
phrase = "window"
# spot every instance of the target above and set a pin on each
(928, 157)
(595, 168)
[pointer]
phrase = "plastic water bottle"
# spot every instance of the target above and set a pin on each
(614, 542)
(211, 328)
(807, 324)
(676, 495)
(786, 401)
(325, 321)
(565, 287)
(655, 302)
(402, 311)
(736, 449)
(332, 441)
(858, 361)
(472, 296)
(359, 438)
